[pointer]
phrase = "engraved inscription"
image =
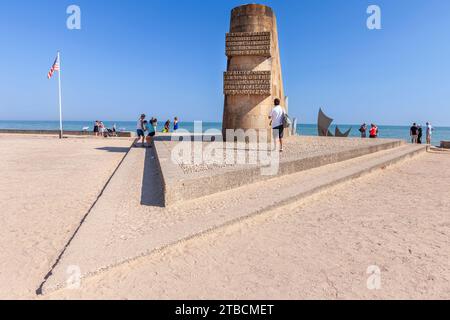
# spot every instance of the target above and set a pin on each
(247, 83)
(248, 44)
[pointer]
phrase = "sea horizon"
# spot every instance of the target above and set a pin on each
(304, 129)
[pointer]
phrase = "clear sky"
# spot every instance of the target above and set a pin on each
(166, 58)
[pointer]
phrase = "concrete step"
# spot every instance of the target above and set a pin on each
(120, 230)
(180, 186)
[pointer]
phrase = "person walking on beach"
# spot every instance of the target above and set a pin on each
(140, 129)
(175, 124)
(276, 121)
(414, 133)
(373, 131)
(429, 132)
(363, 131)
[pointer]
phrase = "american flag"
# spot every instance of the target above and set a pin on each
(55, 67)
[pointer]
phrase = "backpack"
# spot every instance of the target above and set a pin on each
(287, 122)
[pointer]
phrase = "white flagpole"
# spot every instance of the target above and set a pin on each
(60, 98)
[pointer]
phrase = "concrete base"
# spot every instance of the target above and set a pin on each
(445, 144)
(56, 133)
(180, 186)
(120, 229)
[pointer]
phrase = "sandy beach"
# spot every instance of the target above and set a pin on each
(319, 247)
(46, 188)
(397, 219)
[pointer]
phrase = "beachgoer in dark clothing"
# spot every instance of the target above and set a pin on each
(420, 136)
(414, 133)
(363, 131)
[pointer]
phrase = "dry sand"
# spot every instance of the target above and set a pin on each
(397, 219)
(46, 187)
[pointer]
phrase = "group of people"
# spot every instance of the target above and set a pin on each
(416, 133)
(373, 131)
(146, 130)
(100, 130)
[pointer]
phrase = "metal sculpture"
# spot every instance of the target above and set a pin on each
(324, 124)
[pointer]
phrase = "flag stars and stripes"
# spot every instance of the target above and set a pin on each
(55, 67)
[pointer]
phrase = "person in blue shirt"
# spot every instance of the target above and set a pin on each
(176, 125)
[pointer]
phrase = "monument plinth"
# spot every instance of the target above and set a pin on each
(253, 79)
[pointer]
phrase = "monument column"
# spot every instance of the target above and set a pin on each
(253, 79)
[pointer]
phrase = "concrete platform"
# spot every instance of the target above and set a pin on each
(445, 144)
(129, 223)
(185, 182)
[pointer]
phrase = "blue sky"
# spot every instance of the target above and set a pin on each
(166, 58)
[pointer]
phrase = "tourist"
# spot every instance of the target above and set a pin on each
(140, 129)
(429, 132)
(363, 131)
(276, 121)
(166, 127)
(175, 124)
(414, 133)
(373, 131)
(96, 128)
(420, 135)
(151, 128)
(154, 122)
(114, 130)
(102, 129)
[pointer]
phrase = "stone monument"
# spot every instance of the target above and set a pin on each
(253, 79)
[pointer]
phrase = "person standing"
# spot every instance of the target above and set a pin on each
(176, 125)
(102, 129)
(420, 134)
(167, 127)
(276, 120)
(151, 128)
(140, 129)
(114, 130)
(363, 131)
(373, 131)
(414, 133)
(429, 132)
(96, 128)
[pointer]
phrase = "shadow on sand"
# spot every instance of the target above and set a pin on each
(114, 149)
(152, 184)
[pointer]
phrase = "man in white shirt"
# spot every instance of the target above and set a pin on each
(429, 132)
(276, 119)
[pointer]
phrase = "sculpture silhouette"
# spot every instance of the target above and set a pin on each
(324, 123)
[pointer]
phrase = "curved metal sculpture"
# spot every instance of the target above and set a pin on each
(324, 123)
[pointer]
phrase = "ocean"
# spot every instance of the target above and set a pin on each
(390, 132)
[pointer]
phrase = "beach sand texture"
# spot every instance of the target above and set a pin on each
(46, 187)
(396, 219)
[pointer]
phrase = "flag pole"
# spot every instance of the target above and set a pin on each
(60, 98)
